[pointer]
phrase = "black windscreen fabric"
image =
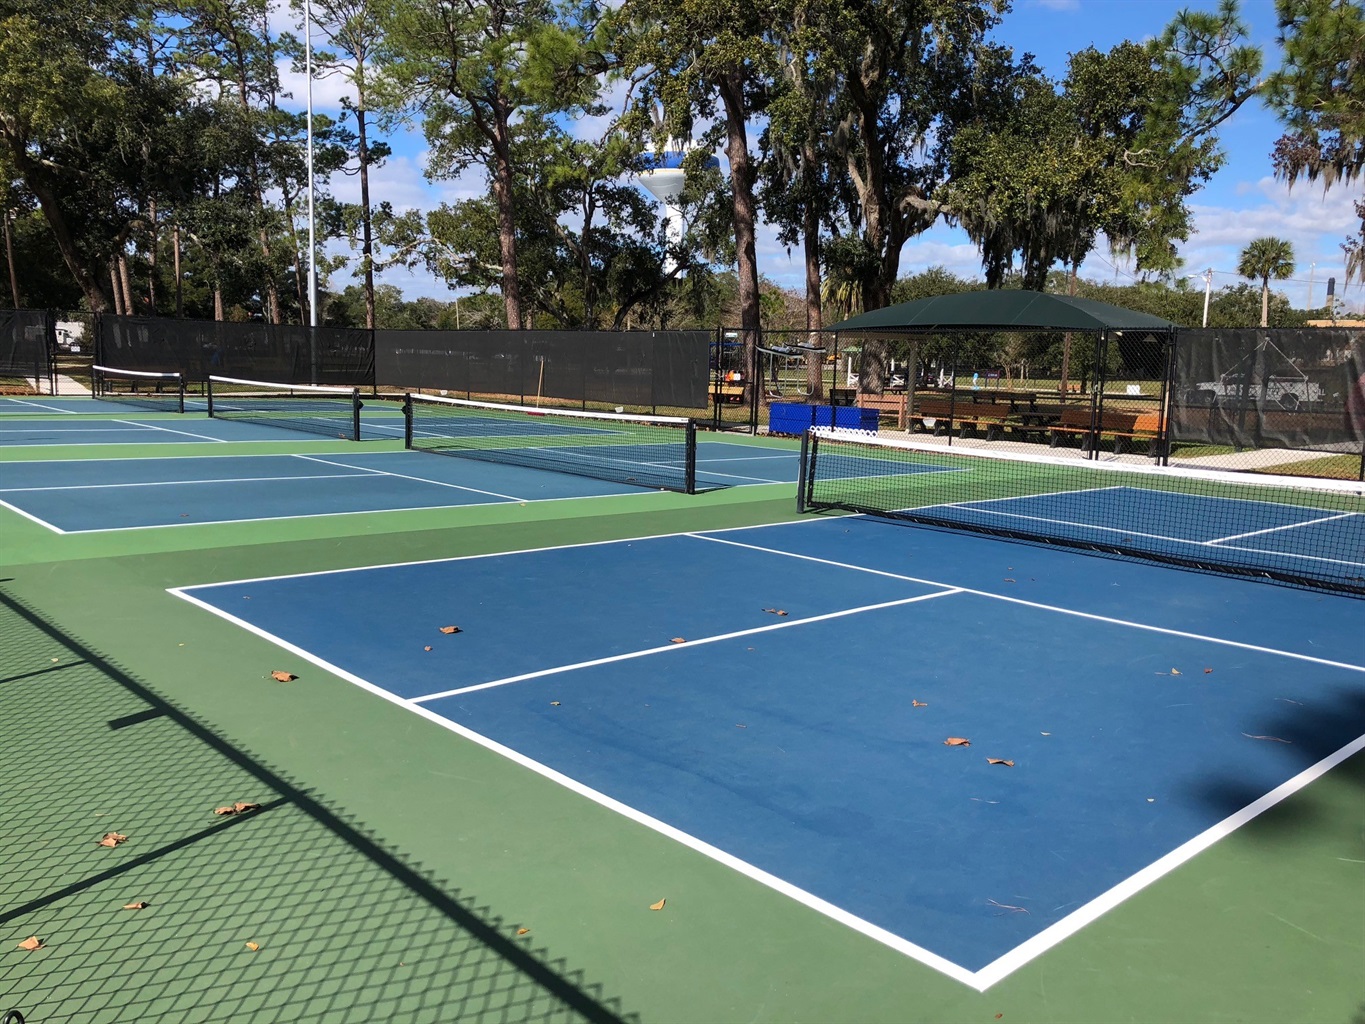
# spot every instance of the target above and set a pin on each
(1270, 388)
(196, 349)
(627, 368)
(26, 339)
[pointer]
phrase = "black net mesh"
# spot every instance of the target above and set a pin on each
(197, 349)
(1310, 534)
(637, 369)
(312, 409)
(646, 451)
(139, 389)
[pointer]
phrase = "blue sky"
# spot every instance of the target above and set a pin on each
(1243, 200)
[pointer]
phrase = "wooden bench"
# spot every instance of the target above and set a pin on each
(885, 403)
(965, 416)
(1123, 425)
(728, 392)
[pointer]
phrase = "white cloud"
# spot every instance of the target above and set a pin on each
(1058, 5)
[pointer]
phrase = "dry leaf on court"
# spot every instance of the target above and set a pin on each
(1272, 739)
(1008, 580)
(427, 647)
(139, 905)
(1008, 907)
(253, 946)
(283, 677)
(1175, 671)
(240, 807)
(522, 931)
(1000, 760)
(918, 704)
(659, 905)
(554, 703)
(774, 611)
(450, 629)
(1208, 671)
(31, 943)
(956, 741)
(112, 839)
(738, 726)
(677, 640)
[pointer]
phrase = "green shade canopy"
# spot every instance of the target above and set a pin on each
(1003, 310)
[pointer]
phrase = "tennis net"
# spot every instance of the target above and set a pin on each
(313, 408)
(139, 388)
(648, 451)
(1308, 533)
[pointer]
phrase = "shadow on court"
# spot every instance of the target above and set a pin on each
(346, 929)
(1304, 733)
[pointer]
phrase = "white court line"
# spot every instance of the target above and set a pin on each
(40, 405)
(663, 648)
(1043, 607)
(810, 900)
(979, 980)
(168, 430)
(177, 483)
(1133, 884)
(1276, 529)
(324, 515)
(417, 479)
(31, 517)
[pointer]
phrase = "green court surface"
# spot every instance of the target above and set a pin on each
(397, 872)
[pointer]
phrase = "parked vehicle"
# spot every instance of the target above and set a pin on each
(1288, 392)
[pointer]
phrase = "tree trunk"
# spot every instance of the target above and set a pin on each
(9, 259)
(507, 233)
(217, 302)
(115, 290)
(125, 281)
(366, 228)
(742, 189)
(179, 280)
(810, 230)
(1265, 302)
(151, 259)
(75, 261)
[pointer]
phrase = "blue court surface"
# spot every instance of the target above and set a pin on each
(118, 494)
(116, 425)
(780, 698)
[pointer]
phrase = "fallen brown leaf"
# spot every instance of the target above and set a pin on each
(677, 640)
(139, 905)
(659, 905)
(1273, 739)
(112, 839)
(1208, 671)
(31, 943)
(774, 611)
(1175, 671)
(450, 629)
(253, 946)
(1000, 760)
(283, 677)
(427, 647)
(241, 808)
(918, 704)
(956, 741)
(522, 931)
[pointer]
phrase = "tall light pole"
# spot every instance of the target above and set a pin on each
(1311, 267)
(312, 230)
(1207, 278)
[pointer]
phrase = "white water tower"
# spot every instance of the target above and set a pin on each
(664, 178)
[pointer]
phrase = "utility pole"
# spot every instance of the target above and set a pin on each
(1311, 268)
(1208, 291)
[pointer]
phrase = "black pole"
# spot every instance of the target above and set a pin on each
(801, 473)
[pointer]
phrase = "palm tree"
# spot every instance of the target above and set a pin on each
(1262, 259)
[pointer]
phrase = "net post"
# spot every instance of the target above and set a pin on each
(407, 420)
(355, 414)
(801, 473)
(180, 393)
(690, 471)
(208, 393)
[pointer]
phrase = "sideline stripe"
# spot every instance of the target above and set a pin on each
(830, 910)
(404, 476)
(1046, 607)
(682, 646)
(31, 517)
(168, 430)
(185, 483)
